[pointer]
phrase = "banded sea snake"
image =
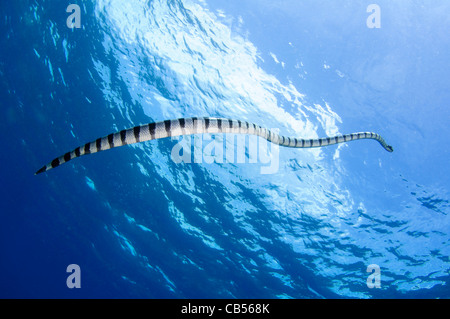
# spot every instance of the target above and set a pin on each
(194, 125)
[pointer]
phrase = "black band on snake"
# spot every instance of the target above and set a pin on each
(194, 125)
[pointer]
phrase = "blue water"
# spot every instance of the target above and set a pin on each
(140, 225)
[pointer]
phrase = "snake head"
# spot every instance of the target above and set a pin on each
(389, 148)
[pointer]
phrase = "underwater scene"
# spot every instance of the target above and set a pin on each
(262, 149)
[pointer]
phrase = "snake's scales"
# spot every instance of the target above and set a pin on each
(194, 125)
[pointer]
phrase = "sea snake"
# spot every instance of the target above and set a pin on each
(200, 125)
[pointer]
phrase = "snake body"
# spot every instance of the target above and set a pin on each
(200, 125)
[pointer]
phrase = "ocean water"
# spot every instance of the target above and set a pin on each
(346, 221)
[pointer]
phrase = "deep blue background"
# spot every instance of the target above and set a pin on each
(141, 226)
